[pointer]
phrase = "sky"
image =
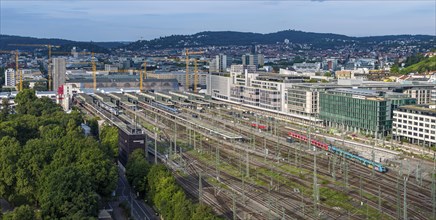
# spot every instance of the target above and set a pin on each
(119, 20)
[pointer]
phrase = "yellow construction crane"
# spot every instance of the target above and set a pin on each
(94, 71)
(18, 72)
(141, 76)
(196, 73)
(49, 47)
(187, 53)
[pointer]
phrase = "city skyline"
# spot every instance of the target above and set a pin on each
(135, 20)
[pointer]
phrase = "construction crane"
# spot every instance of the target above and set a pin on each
(94, 71)
(187, 53)
(196, 73)
(49, 47)
(141, 76)
(18, 72)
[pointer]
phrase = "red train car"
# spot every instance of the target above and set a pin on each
(314, 142)
(260, 126)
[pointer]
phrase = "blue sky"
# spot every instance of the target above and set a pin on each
(132, 20)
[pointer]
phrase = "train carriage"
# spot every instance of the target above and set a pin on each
(259, 126)
(368, 163)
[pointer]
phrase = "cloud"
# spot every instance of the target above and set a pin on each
(130, 20)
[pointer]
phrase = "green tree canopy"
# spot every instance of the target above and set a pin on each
(65, 192)
(24, 212)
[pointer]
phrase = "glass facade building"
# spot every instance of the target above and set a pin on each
(361, 110)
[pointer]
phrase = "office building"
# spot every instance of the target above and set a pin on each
(58, 72)
(253, 59)
(220, 63)
(130, 138)
(180, 76)
(361, 110)
(262, 91)
(10, 79)
(121, 82)
(307, 67)
(343, 74)
(303, 98)
(416, 124)
(433, 95)
(422, 95)
(110, 68)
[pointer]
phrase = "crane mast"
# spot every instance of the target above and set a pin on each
(94, 72)
(187, 53)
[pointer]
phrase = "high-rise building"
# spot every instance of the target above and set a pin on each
(10, 77)
(221, 62)
(59, 71)
(253, 59)
(74, 52)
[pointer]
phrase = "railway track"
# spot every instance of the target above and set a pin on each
(277, 145)
(415, 193)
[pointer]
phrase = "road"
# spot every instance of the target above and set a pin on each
(139, 209)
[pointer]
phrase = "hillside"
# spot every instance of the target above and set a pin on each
(425, 65)
(229, 38)
(224, 38)
(7, 41)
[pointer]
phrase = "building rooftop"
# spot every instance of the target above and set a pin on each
(422, 108)
(362, 92)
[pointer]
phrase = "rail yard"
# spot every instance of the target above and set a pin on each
(251, 165)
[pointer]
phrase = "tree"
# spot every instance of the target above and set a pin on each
(24, 212)
(93, 124)
(102, 172)
(45, 159)
(136, 170)
(5, 109)
(40, 86)
(25, 99)
(182, 206)
(109, 140)
(9, 154)
(66, 192)
(202, 212)
(395, 68)
(28, 103)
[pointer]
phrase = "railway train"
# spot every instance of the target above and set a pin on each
(328, 147)
(112, 109)
(260, 126)
(164, 107)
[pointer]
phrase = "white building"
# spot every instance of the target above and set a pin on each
(433, 95)
(262, 91)
(110, 68)
(220, 63)
(422, 95)
(307, 67)
(416, 123)
(10, 77)
(253, 59)
(181, 77)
